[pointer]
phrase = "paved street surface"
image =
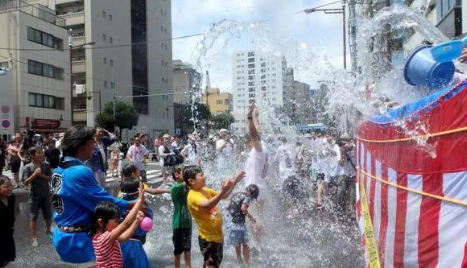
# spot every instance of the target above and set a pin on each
(314, 240)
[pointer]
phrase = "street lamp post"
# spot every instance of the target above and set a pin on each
(71, 47)
(334, 11)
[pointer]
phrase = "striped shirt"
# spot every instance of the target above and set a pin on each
(108, 253)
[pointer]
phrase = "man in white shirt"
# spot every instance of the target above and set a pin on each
(137, 154)
(225, 152)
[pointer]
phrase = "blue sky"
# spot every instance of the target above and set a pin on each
(320, 33)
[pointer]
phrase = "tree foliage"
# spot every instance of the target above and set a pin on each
(126, 116)
(201, 115)
(223, 120)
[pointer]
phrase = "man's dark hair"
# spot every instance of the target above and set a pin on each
(75, 137)
(128, 169)
(190, 172)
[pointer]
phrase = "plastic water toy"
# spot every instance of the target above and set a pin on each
(448, 51)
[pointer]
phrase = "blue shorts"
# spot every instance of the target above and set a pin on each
(238, 236)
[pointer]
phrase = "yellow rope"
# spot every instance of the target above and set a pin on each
(457, 202)
(431, 135)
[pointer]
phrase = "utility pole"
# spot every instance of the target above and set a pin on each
(114, 103)
(335, 11)
(208, 86)
(353, 35)
(70, 46)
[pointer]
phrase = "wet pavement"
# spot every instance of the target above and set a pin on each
(315, 239)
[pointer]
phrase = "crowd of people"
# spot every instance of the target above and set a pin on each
(66, 177)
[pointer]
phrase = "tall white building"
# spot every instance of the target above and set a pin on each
(256, 77)
(131, 55)
(34, 92)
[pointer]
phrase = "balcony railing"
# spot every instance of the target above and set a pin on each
(78, 66)
(74, 18)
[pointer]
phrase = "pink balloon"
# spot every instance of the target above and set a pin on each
(146, 224)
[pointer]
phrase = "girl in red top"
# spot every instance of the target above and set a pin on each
(108, 232)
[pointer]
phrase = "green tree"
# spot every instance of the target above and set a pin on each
(223, 120)
(200, 113)
(126, 116)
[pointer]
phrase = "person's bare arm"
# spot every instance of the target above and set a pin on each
(130, 218)
(211, 203)
(240, 175)
(131, 231)
(254, 134)
(463, 57)
(156, 191)
(36, 173)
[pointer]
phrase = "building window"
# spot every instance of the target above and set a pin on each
(162, 62)
(103, 14)
(163, 79)
(219, 102)
(105, 60)
(110, 17)
(42, 38)
(104, 37)
(251, 71)
(45, 101)
(112, 85)
(251, 54)
(251, 59)
(111, 40)
(105, 83)
(44, 69)
(111, 62)
(251, 66)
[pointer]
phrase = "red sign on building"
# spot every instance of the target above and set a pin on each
(45, 123)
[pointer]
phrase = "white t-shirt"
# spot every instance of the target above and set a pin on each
(256, 167)
(224, 155)
(162, 154)
(138, 153)
(191, 154)
(286, 156)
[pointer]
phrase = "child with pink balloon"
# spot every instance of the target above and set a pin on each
(132, 250)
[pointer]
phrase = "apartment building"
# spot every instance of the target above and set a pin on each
(35, 92)
(219, 102)
(121, 47)
(449, 16)
(186, 82)
(256, 77)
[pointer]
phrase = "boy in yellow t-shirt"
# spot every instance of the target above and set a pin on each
(202, 203)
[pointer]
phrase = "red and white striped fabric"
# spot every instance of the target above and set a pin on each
(412, 229)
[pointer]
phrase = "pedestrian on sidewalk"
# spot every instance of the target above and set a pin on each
(138, 154)
(15, 161)
(38, 174)
(3, 154)
(99, 161)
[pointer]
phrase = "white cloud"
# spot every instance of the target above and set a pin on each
(321, 33)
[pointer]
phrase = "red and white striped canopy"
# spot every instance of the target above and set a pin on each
(414, 174)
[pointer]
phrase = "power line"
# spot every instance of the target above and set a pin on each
(156, 41)
(105, 47)
(94, 79)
